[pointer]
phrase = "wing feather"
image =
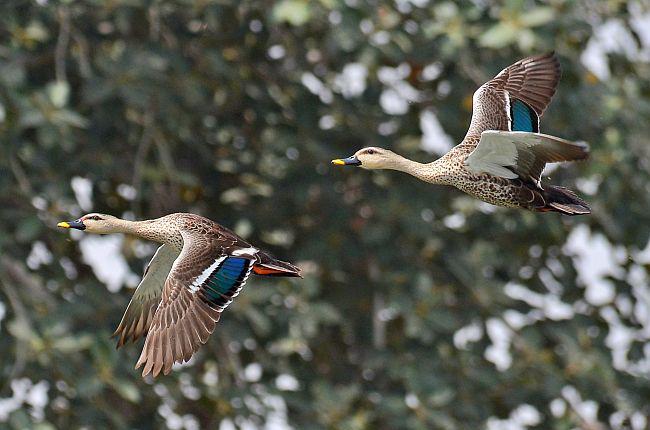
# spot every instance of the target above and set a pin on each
(517, 154)
(143, 304)
(202, 282)
(532, 80)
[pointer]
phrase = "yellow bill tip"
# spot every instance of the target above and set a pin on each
(63, 224)
(338, 162)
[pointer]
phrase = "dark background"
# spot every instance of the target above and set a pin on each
(421, 308)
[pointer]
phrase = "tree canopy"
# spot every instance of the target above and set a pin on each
(421, 308)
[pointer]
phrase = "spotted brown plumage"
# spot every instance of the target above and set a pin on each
(193, 276)
(502, 156)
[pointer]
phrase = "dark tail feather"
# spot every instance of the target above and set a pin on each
(563, 200)
(269, 266)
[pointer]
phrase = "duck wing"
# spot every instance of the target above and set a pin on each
(210, 271)
(519, 154)
(516, 98)
(139, 313)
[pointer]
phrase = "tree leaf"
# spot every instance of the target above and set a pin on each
(499, 35)
(295, 12)
(537, 16)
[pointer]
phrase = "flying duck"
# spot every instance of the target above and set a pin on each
(501, 159)
(193, 276)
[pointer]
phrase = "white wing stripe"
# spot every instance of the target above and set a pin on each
(245, 251)
(199, 280)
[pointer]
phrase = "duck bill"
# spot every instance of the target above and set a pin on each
(350, 161)
(72, 224)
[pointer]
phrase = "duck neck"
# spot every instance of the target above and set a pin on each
(434, 173)
(148, 230)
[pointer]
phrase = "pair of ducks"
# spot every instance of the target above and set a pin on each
(201, 266)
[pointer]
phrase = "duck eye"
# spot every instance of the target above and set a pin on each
(94, 218)
(370, 151)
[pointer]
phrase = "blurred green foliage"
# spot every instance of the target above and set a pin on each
(233, 109)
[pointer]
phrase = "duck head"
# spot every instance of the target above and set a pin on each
(370, 158)
(92, 223)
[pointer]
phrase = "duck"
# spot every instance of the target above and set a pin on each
(501, 158)
(197, 271)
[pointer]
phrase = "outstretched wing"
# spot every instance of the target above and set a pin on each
(518, 154)
(516, 98)
(143, 304)
(209, 272)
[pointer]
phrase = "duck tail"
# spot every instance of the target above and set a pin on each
(563, 200)
(269, 266)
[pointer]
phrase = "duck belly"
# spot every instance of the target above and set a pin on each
(490, 189)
